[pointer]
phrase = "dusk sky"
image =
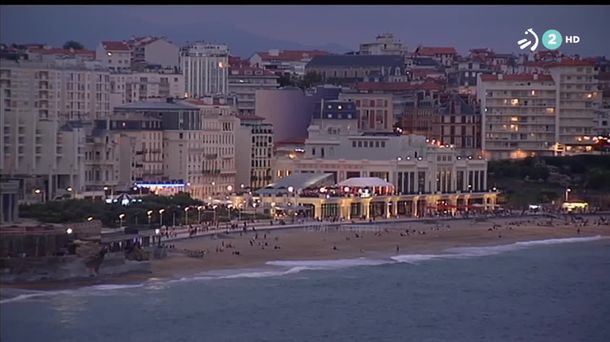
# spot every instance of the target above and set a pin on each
(339, 28)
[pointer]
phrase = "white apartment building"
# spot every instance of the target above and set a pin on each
(384, 44)
(411, 164)
(540, 114)
(124, 149)
(245, 81)
(579, 100)
(156, 51)
(142, 86)
(253, 153)
(519, 115)
(114, 55)
(205, 68)
(64, 89)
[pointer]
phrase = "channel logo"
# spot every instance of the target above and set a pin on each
(551, 39)
(524, 43)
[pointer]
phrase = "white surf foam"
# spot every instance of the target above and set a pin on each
(492, 250)
(415, 258)
(26, 296)
(328, 264)
(110, 287)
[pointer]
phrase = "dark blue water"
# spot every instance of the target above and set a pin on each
(558, 292)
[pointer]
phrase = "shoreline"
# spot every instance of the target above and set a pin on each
(298, 244)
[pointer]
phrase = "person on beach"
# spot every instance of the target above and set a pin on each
(397, 249)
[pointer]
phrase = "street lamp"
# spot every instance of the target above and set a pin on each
(90, 218)
(568, 190)
(69, 231)
(157, 232)
(69, 189)
(229, 188)
(199, 208)
(149, 213)
(229, 207)
(41, 193)
(121, 216)
(186, 215)
(161, 217)
(214, 207)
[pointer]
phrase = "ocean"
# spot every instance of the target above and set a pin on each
(551, 290)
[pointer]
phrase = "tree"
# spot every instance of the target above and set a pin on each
(311, 79)
(72, 44)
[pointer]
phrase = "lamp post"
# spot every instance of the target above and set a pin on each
(199, 208)
(229, 189)
(157, 232)
(41, 193)
(121, 216)
(229, 211)
(161, 217)
(568, 190)
(149, 213)
(69, 189)
(214, 207)
(186, 215)
(90, 218)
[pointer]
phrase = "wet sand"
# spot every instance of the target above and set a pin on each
(302, 244)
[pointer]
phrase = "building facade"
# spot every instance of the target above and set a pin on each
(375, 111)
(254, 152)
(423, 175)
(205, 68)
(384, 44)
(245, 81)
(532, 114)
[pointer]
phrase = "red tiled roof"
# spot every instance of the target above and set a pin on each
(424, 71)
(535, 64)
(241, 70)
(292, 55)
(516, 77)
(64, 52)
(398, 86)
(431, 51)
(570, 63)
(115, 46)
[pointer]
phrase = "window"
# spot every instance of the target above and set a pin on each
(313, 151)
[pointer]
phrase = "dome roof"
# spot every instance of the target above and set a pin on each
(362, 182)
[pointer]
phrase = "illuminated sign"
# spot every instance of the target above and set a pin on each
(168, 184)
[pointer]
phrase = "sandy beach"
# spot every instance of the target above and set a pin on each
(300, 244)
(253, 249)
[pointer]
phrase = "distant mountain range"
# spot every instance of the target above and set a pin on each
(241, 43)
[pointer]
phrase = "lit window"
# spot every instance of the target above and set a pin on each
(514, 102)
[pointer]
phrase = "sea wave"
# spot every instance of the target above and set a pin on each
(416, 258)
(492, 250)
(329, 263)
(278, 268)
(30, 295)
